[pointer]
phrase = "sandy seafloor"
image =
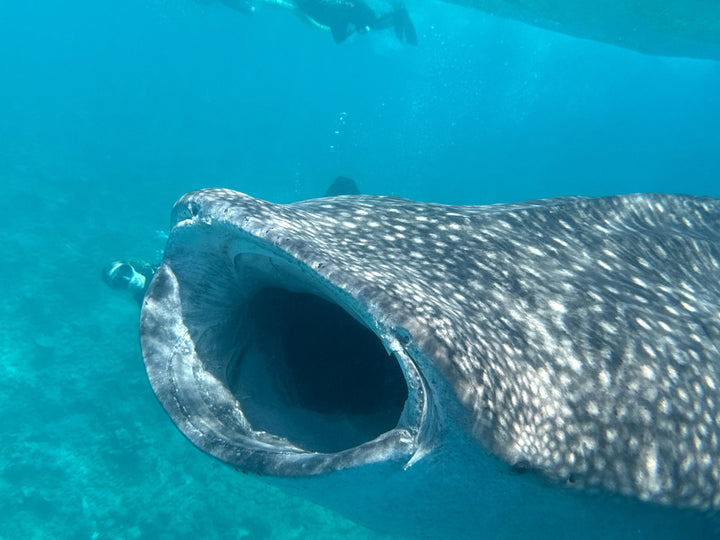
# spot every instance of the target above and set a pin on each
(108, 113)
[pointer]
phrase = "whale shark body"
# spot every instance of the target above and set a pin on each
(452, 371)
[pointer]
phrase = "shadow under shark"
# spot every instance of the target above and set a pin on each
(452, 371)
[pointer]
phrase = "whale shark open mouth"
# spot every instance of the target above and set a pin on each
(265, 365)
(314, 375)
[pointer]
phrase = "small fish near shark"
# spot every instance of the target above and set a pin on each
(506, 371)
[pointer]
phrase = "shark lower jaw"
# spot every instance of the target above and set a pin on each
(261, 364)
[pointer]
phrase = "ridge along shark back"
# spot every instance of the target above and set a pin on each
(452, 371)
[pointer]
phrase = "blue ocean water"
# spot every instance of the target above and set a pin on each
(109, 111)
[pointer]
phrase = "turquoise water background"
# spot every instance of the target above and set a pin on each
(109, 111)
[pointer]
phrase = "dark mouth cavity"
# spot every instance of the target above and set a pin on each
(306, 370)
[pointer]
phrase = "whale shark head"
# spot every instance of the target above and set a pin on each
(414, 347)
(265, 363)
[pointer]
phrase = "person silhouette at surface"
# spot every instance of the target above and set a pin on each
(345, 17)
(342, 17)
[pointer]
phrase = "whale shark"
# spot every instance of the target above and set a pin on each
(448, 371)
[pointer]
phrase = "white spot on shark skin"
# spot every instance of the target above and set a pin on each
(602, 264)
(642, 323)
(535, 251)
(573, 345)
(647, 476)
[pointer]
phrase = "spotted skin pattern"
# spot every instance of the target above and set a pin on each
(581, 336)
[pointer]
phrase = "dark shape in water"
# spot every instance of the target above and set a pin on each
(341, 17)
(342, 185)
(663, 27)
(402, 362)
(346, 17)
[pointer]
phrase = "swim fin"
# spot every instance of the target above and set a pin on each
(404, 27)
(340, 32)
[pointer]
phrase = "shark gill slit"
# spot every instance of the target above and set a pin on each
(302, 368)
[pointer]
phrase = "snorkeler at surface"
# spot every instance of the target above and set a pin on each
(134, 276)
(342, 17)
(345, 17)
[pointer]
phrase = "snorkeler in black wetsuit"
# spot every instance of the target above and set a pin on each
(344, 17)
(341, 17)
